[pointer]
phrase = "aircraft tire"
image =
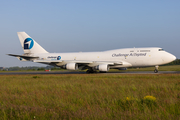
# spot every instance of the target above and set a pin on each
(155, 71)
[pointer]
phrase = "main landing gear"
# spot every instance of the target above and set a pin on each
(94, 71)
(91, 71)
(156, 69)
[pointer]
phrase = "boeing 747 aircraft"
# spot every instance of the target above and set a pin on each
(94, 61)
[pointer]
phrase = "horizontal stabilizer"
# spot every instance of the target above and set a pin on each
(24, 56)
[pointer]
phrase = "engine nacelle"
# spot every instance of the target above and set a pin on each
(72, 66)
(103, 67)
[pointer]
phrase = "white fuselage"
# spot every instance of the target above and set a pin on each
(130, 57)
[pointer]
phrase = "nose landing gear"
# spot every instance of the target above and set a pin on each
(156, 69)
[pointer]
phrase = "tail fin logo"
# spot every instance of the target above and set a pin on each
(28, 43)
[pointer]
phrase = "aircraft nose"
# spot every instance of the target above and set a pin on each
(171, 57)
(168, 58)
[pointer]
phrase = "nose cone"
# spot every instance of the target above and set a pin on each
(169, 58)
(173, 57)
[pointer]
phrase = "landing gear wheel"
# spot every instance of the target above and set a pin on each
(155, 71)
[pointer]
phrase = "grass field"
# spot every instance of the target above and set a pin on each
(94, 96)
(161, 68)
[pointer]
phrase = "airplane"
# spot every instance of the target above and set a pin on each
(94, 61)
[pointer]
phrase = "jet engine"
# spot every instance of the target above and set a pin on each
(71, 66)
(103, 67)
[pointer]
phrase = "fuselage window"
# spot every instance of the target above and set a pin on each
(145, 51)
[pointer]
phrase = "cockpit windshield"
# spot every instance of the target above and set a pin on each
(161, 49)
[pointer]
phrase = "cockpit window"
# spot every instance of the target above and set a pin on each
(161, 49)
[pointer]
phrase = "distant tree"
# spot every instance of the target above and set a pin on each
(56, 68)
(39, 69)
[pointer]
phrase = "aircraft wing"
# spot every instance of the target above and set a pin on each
(62, 62)
(77, 61)
(47, 61)
(82, 62)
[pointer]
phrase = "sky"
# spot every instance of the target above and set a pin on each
(94, 25)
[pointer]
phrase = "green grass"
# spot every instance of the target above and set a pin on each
(94, 96)
(161, 68)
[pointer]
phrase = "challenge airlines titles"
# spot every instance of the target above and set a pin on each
(131, 54)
